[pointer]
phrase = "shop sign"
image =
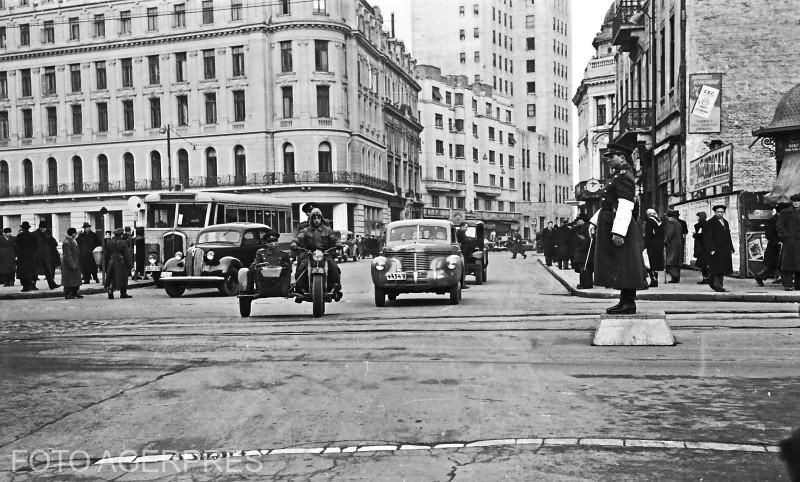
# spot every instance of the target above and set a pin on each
(705, 103)
(711, 169)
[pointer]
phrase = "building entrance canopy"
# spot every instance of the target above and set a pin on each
(788, 181)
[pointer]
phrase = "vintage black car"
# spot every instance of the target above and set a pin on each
(214, 260)
(476, 252)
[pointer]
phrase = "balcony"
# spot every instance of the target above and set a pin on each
(489, 216)
(491, 191)
(635, 116)
(627, 25)
(442, 185)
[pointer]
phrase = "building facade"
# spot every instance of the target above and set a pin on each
(297, 100)
(522, 50)
(693, 82)
(470, 160)
(594, 100)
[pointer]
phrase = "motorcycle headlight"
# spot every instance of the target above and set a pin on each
(178, 255)
(451, 261)
(210, 256)
(379, 263)
(317, 256)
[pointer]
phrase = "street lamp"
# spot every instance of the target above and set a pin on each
(165, 129)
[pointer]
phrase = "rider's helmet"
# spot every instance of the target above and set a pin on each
(315, 212)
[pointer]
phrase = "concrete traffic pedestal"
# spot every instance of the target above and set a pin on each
(647, 328)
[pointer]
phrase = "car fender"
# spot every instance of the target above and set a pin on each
(172, 265)
(242, 275)
(229, 262)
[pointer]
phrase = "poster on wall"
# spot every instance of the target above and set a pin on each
(705, 103)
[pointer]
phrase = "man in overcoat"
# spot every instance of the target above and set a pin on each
(719, 247)
(582, 264)
(8, 258)
(26, 244)
(46, 256)
(562, 240)
(700, 252)
(654, 243)
(118, 262)
(618, 261)
(788, 228)
(70, 265)
(548, 243)
(87, 242)
(673, 246)
(769, 266)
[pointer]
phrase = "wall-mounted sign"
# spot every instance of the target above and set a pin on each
(705, 103)
(714, 168)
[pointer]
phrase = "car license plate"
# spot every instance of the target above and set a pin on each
(148, 269)
(166, 274)
(395, 276)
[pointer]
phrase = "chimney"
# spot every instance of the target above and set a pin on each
(393, 25)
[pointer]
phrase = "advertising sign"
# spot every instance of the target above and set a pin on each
(705, 103)
(711, 169)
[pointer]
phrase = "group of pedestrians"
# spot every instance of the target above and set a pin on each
(664, 241)
(367, 246)
(28, 255)
(563, 244)
(782, 255)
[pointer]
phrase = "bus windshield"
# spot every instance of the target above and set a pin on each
(160, 215)
(227, 237)
(192, 215)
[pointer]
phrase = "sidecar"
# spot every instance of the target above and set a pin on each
(270, 276)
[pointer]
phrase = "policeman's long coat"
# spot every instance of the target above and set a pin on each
(718, 240)
(788, 228)
(623, 267)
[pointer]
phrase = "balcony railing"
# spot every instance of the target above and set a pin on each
(442, 185)
(488, 190)
(252, 180)
(622, 27)
(634, 116)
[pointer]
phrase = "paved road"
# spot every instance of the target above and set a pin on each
(510, 368)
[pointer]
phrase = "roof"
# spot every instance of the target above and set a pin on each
(206, 196)
(787, 114)
(414, 222)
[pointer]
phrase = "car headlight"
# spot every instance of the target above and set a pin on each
(317, 256)
(152, 259)
(379, 263)
(210, 256)
(178, 255)
(452, 261)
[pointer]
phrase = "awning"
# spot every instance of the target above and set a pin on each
(788, 181)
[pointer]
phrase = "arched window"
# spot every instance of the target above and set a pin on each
(155, 171)
(27, 170)
(130, 172)
(288, 163)
(52, 176)
(325, 163)
(239, 166)
(211, 167)
(183, 167)
(102, 173)
(77, 174)
(5, 188)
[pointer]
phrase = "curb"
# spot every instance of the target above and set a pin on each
(651, 296)
(58, 293)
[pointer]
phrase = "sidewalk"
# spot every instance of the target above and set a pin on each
(15, 292)
(745, 290)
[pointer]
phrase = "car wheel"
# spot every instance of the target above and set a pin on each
(380, 297)
(174, 291)
(455, 294)
(230, 286)
(245, 304)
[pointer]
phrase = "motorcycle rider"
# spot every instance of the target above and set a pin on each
(316, 236)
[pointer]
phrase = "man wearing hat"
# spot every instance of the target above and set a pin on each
(87, 242)
(26, 245)
(118, 265)
(788, 228)
(673, 246)
(718, 244)
(47, 257)
(618, 261)
(8, 258)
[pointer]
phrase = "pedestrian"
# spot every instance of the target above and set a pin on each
(8, 258)
(118, 263)
(583, 244)
(70, 265)
(720, 248)
(87, 242)
(517, 245)
(562, 240)
(654, 244)
(673, 246)
(139, 253)
(548, 243)
(700, 251)
(684, 232)
(788, 227)
(769, 265)
(618, 261)
(26, 245)
(45, 260)
(360, 246)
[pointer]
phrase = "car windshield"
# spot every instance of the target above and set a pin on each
(419, 233)
(226, 237)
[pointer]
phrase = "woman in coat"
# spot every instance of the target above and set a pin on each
(719, 247)
(654, 243)
(70, 265)
(788, 228)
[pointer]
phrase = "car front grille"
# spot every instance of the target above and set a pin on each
(194, 261)
(416, 261)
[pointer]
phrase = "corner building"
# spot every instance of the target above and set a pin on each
(301, 101)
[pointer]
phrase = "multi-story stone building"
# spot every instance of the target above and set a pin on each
(298, 100)
(595, 102)
(522, 50)
(693, 81)
(470, 167)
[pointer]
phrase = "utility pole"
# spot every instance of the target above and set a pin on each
(166, 130)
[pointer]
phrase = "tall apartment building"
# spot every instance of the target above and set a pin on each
(302, 101)
(522, 50)
(694, 80)
(594, 99)
(470, 167)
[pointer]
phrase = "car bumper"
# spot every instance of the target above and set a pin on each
(192, 281)
(418, 281)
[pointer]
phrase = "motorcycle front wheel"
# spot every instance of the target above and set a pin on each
(317, 296)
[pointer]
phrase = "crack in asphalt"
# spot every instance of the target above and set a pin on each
(456, 465)
(96, 403)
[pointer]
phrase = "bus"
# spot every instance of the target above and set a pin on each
(174, 218)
